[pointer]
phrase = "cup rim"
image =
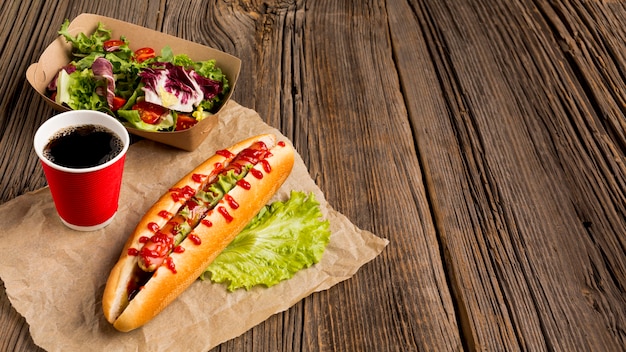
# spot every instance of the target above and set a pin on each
(78, 118)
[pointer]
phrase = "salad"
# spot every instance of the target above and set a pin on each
(146, 90)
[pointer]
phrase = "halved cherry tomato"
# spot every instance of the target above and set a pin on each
(149, 113)
(144, 54)
(112, 45)
(118, 102)
(184, 122)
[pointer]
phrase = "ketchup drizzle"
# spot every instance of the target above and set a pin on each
(169, 262)
(266, 166)
(182, 193)
(222, 210)
(206, 223)
(231, 201)
(198, 178)
(195, 239)
(256, 173)
(244, 184)
(163, 242)
(165, 214)
(152, 226)
(281, 143)
(225, 153)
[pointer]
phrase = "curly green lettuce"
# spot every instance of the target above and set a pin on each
(82, 44)
(78, 90)
(282, 239)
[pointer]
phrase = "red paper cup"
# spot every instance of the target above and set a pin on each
(86, 199)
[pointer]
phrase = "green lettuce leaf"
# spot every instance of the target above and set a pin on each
(132, 117)
(282, 239)
(78, 90)
(83, 45)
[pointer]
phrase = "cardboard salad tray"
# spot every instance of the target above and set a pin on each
(58, 54)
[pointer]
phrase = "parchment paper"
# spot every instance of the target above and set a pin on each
(55, 276)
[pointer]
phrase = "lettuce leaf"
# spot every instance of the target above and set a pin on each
(282, 239)
(132, 117)
(78, 90)
(83, 45)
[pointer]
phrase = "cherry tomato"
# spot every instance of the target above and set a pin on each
(184, 122)
(112, 45)
(149, 113)
(118, 102)
(144, 54)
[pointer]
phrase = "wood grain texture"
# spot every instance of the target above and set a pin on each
(486, 140)
(533, 232)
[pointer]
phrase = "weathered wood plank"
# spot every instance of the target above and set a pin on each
(512, 125)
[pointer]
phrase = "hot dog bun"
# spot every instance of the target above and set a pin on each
(202, 245)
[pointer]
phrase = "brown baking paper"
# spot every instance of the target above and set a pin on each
(55, 276)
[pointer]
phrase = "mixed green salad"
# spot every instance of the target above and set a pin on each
(148, 91)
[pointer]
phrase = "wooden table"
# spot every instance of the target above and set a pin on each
(485, 140)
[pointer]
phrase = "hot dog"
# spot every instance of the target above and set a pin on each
(190, 224)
